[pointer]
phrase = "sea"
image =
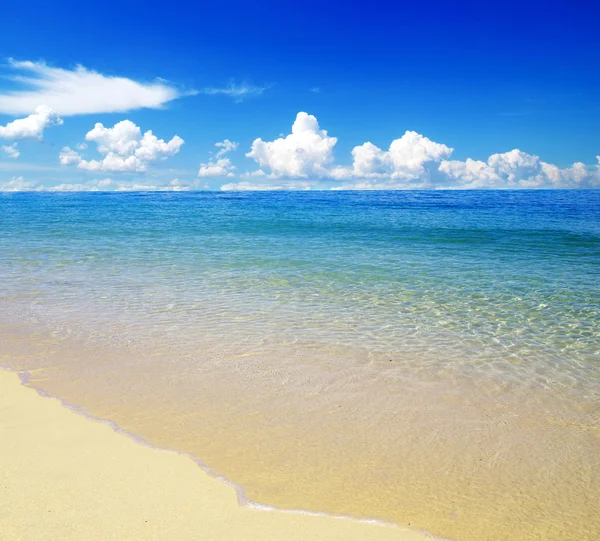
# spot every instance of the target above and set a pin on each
(425, 358)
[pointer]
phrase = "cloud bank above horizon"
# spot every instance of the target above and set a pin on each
(303, 159)
(19, 184)
(412, 161)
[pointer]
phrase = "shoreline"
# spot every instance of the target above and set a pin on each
(68, 475)
(328, 472)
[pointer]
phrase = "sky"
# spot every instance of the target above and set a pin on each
(305, 95)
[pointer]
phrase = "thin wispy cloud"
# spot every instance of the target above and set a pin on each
(18, 167)
(20, 184)
(239, 92)
(245, 186)
(79, 91)
(11, 150)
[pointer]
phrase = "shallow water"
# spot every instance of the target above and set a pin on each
(422, 357)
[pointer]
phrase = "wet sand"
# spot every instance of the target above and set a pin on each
(355, 442)
(65, 476)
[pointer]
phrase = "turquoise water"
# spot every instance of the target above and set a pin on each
(484, 281)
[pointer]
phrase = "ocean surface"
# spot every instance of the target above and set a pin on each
(428, 357)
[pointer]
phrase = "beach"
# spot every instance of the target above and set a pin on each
(65, 476)
(428, 360)
(300, 272)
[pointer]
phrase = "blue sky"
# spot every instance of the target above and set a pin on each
(473, 81)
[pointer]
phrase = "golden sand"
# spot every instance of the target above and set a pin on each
(64, 476)
(440, 458)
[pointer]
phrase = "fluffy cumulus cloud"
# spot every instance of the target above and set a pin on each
(32, 126)
(11, 150)
(412, 157)
(301, 160)
(218, 166)
(80, 91)
(516, 169)
(123, 147)
(306, 152)
(411, 161)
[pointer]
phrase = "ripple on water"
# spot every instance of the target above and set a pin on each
(468, 303)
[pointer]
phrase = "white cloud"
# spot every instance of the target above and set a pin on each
(18, 184)
(175, 185)
(410, 159)
(257, 173)
(107, 184)
(516, 169)
(12, 150)
(382, 184)
(80, 91)
(219, 166)
(246, 186)
(181, 185)
(472, 173)
(124, 147)
(237, 91)
(225, 147)
(68, 156)
(575, 176)
(307, 151)
(67, 187)
(32, 126)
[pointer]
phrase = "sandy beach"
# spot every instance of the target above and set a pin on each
(374, 356)
(65, 476)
